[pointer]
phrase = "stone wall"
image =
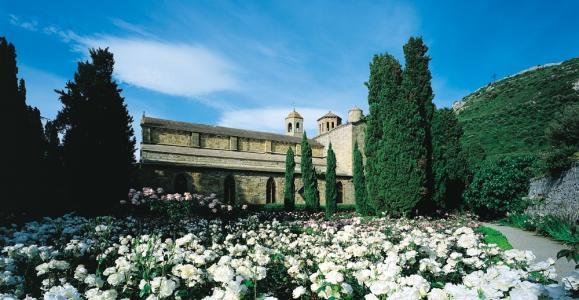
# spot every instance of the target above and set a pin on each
(343, 138)
(172, 137)
(564, 188)
(250, 185)
(556, 196)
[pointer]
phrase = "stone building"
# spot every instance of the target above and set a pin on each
(244, 166)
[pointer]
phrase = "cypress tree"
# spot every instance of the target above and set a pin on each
(417, 91)
(289, 195)
(98, 143)
(449, 162)
(331, 183)
(24, 137)
(309, 176)
(383, 95)
(359, 182)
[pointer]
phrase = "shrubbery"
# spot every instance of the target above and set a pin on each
(498, 186)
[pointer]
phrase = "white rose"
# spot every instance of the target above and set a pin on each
(437, 294)
(298, 292)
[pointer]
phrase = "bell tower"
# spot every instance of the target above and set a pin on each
(294, 124)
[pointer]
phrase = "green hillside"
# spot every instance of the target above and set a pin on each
(509, 116)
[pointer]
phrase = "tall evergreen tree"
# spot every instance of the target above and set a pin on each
(408, 135)
(99, 144)
(449, 161)
(417, 89)
(23, 134)
(359, 182)
(309, 176)
(331, 183)
(383, 95)
(289, 195)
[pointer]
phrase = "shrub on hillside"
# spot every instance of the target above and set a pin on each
(563, 137)
(498, 186)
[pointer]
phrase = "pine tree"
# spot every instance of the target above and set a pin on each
(289, 199)
(309, 176)
(417, 90)
(359, 182)
(449, 162)
(98, 143)
(331, 183)
(23, 134)
(383, 95)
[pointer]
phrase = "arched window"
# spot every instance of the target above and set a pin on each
(340, 192)
(270, 191)
(181, 184)
(297, 125)
(289, 127)
(229, 190)
(327, 126)
(332, 124)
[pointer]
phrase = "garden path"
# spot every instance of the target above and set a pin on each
(542, 247)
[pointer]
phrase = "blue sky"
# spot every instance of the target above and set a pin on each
(247, 63)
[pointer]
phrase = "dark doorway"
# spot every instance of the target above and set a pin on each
(181, 184)
(229, 190)
(270, 191)
(340, 190)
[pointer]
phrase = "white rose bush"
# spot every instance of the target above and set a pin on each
(265, 255)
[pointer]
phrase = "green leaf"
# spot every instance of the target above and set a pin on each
(145, 291)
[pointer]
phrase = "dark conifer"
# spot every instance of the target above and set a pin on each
(383, 96)
(309, 176)
(289, 195)
(359, 182)
(331, 183)
(98, 143)
(23, 147)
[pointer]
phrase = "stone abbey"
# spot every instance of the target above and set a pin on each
(244, 166)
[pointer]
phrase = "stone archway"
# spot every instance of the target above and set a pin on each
(340, 193)
(229, 190)
(180, 184)
(270, 191)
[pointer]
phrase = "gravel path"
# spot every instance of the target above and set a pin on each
(542, 247)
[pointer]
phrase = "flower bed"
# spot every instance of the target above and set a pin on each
(265, 255)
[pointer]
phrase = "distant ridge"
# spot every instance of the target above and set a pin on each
(509, 116)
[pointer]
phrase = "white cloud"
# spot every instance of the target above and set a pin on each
(170, 68)
(270, 119)
(30, 25)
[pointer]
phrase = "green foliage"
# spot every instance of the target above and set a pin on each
(492, 236)
(289, 194)
(449, 164)
(331, 183)
(309, 176)
(522, 221)
(99, 144)
(559, 230)
(417, 90)
(398, 134)
(499, 185)
(509, 116)
(383, 91)
(563, 137)
(359, 179)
